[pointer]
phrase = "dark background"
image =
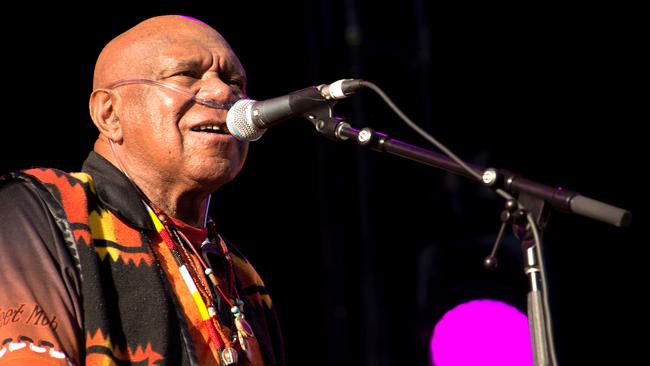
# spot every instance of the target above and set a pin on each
(362, 252)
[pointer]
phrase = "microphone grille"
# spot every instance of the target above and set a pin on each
(240, 121)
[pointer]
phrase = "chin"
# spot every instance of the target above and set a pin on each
(214, 171)
(216, 176)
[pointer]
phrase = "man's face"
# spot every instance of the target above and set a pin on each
(180, 139)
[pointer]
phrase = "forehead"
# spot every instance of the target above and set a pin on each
(207, 51)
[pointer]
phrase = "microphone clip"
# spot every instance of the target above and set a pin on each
(325, 123)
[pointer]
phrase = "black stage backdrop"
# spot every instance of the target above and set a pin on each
(363, 252)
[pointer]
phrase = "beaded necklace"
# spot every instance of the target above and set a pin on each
(202, 294)
(208, 315)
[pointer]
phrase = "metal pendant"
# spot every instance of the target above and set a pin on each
(229, 356)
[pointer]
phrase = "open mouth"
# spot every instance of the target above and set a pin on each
(211, 128)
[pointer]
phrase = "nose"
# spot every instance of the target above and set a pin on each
(213, 88)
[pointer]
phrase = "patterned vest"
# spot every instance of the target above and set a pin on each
(133, 310)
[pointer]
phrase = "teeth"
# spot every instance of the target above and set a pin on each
(209, 127)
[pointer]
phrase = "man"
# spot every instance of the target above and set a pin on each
(120, 264)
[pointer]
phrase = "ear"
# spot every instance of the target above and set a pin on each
(103, 114)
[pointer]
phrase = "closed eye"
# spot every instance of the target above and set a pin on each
(189, 74)
(236, 82)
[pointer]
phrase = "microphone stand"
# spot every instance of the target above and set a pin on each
(527, 215)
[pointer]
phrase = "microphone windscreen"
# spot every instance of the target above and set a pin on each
(240, 122)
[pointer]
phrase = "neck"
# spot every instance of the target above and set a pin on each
(174, 197)
(189, 207)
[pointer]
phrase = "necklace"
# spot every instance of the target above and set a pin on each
(203, 294)
(208, 314)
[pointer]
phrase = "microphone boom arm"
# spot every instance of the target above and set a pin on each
(532, 199)
(559, 198)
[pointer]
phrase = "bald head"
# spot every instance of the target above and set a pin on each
(157, 135)
(130, 54)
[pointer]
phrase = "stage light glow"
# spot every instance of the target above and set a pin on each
(482, 332)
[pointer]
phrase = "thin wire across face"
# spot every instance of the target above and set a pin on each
(194, 97)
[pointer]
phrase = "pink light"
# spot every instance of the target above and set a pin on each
(482, 332)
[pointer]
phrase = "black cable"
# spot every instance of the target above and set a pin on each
(499, 191)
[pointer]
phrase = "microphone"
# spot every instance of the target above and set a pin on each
(248, 119)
